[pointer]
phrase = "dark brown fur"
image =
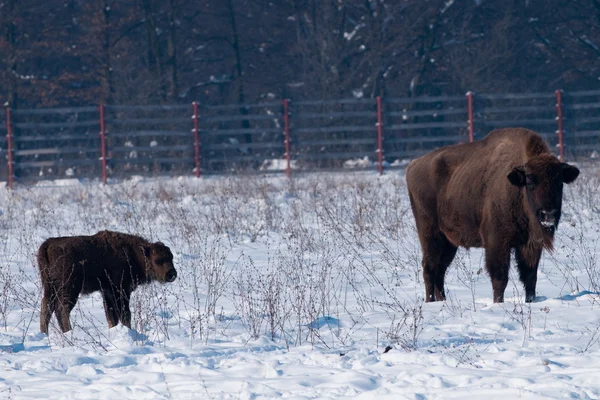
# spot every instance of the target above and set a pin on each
(110, 262)
(501, 193)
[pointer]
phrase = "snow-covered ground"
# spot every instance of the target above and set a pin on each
(295, 289)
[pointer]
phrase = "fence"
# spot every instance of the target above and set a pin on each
(112, 141)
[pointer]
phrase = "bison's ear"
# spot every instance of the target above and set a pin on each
(517, 176)
(146, 250)
(570, 173)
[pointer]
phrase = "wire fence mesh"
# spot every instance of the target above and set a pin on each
(334, 134)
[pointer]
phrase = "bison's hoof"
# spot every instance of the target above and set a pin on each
(530, 298)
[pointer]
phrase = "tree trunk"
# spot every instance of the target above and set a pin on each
(153, 55)
(11, 62)
(108, 88)
(239, 70)
(171, 64)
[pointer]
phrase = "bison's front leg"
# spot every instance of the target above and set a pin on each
(124, 311)
(110, 308)
(527, 262)
(497, 263)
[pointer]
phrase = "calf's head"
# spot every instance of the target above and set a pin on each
(160, 262)
(542, 180)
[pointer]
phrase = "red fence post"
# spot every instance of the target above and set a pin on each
(559, 121)
(470, 121)
(286, 131)
(196, 139)
(9, 145)
(103, 142)
(379, 136)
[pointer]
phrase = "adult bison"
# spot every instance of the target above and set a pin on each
(501, 193)
(110, 262)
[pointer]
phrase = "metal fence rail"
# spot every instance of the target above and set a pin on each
(116, 141)
(582, 113)
(141, 140)
(54, 142)
(415, 126)
(234, 137)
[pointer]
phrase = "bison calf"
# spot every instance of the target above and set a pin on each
(501, 193)
(110, 262)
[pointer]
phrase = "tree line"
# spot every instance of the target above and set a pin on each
(81, 52)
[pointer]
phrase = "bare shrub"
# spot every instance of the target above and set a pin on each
(406, 327)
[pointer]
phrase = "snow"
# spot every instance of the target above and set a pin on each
(278, 164)
(303, 289)
(358, 163)
(350, 35)
(358, 93)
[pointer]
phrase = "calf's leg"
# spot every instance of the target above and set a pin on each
(124, 311)
(65, 302)
(110, 307)
(47, 309)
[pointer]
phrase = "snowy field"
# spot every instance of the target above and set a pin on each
(303, 289)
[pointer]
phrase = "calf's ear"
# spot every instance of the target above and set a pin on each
(570, 173)
(146, 250)
(517, 176)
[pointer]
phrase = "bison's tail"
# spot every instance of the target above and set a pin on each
(43, 261)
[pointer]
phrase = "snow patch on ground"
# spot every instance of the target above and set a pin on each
(303, 289)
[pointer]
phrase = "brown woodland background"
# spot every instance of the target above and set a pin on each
(81, 52)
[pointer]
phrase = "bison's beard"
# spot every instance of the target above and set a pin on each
(541, 234)
(548, 231)
(548, 227)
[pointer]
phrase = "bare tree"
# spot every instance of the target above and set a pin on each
(8, 15)
(241, 51)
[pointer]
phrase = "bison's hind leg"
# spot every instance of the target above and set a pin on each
(65, 302)
(438, 254)
(47, 309)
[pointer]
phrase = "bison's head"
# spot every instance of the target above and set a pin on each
(542, 181)
(160, 261)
